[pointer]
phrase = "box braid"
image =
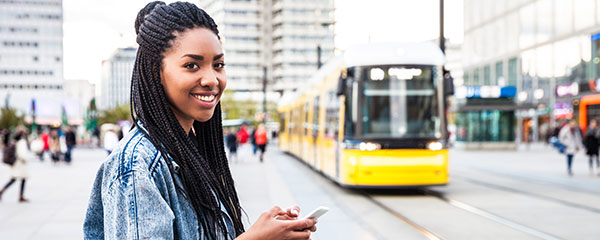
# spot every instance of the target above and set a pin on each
(205, 172)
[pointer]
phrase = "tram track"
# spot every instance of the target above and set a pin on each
(490, 216)
(529, 194)
(431, 234)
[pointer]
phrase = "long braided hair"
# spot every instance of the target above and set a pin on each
(204, 170)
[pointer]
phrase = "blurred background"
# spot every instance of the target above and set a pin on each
(431, 119)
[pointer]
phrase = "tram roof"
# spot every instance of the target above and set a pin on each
(424, 53)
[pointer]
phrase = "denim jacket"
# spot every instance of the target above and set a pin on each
(135, 197)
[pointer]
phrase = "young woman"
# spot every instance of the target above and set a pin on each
(169, 178)
(19, 169)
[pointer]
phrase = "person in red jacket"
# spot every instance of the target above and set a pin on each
(261, 140)
(242, 135)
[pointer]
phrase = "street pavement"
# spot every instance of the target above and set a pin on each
(529, 189)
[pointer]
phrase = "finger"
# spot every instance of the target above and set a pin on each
(275, 211)
(313, 228)
(294, 211)
(284, 217)
(301, 224)
(299, 234)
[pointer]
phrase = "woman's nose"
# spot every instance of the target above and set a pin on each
(209, 79)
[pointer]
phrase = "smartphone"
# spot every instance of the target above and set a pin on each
(320, 211)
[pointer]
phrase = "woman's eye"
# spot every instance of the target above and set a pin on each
(219, 65)
(191, 66)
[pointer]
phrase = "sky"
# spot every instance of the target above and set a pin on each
(93, 29)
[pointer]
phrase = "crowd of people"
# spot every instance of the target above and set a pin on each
(570, 139)
(257, 138)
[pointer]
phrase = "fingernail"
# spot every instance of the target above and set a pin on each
(294, 211)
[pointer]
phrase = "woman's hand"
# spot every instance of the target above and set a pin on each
(277, 224)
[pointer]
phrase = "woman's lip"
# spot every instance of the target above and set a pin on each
(204, 104)
(205, 93)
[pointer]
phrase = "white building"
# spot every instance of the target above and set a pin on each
(279, 35)
(115, 85)
(31, 55)
(79, 93)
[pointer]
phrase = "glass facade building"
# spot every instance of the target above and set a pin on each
(547, 49)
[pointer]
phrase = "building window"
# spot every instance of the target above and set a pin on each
(476, 77)
(487, 76)
(499, 79)
(512, 72)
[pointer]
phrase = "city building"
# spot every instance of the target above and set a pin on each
(115, 85)
(31, 57)
(527, 64)
(279, 38)
(79, 93)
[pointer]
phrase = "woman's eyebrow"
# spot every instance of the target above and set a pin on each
(218, 56)
(194, 56)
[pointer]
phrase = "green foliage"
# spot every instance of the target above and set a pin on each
(114, 115)
(246, 109)
(10, 119)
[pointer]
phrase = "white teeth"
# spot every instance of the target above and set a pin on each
(205, 98)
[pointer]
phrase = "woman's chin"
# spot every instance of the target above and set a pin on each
(204, 116)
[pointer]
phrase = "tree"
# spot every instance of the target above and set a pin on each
(245, 109)
(9, 118)
(114, 115)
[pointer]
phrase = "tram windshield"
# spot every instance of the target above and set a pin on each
(399, 101)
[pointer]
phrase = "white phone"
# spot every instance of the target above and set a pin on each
(320, 211)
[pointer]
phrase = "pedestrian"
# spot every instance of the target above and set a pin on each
(232, 144)
(260, 137)
(110, 141)
(242, 135)
(46, 140)
(170, 178)
(570, 136)
(71, 141)
(591, 145)
(54, 146)
(18, 169)
(253, 141)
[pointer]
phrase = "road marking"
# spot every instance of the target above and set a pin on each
(423, 230)
(491, 216)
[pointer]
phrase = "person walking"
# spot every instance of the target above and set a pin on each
(46, 140)
(591, 145)
(170, 177)
(570, 136)
(260, 137)
(54, 146)
(19, 169)
(71, 141)
(232, 144)
(253, 141)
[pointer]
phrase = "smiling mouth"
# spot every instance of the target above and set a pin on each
(203, 98)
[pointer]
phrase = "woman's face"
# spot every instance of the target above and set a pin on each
(193, 75)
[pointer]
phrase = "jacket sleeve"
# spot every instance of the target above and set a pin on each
(22, 151)
(135, 209)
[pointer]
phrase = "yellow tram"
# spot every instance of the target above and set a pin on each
(372, 117)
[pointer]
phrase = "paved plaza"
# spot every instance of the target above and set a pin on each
(516, 186)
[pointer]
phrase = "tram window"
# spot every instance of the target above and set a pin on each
(331, 119)
(282, 122)
(306, 124)
(315, 122)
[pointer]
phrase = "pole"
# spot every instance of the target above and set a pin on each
(264, 95)
(442, 95)
(319, 56)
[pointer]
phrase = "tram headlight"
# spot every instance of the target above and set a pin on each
(434, 146)
(369, 146)
(363, 146)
